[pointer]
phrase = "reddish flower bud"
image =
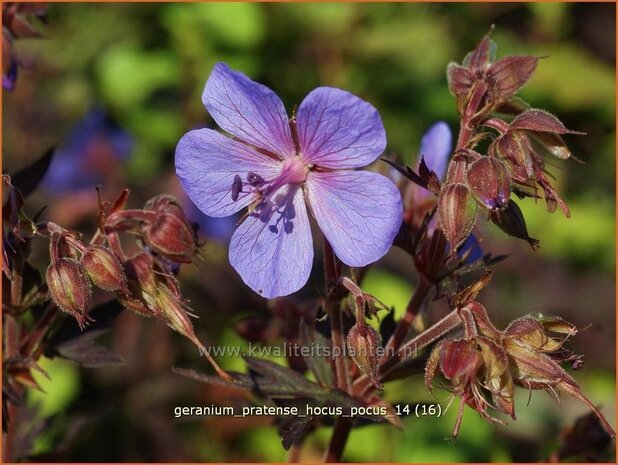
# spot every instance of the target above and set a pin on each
(139, 271)
(489, 181)
(104, 269)
(554, 144)
(364, 344)
(509, 74)
(511, 220)
(460, 80)
(457, 212)
(171, 236)
(482, 55)
(459, 360)
(170, 233)
(459, 165)
(69, 288)
(536, 370)
(514, 149)
(540, 121)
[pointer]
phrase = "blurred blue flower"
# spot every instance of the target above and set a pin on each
(472, 248)
(95, 146)
(436, 146)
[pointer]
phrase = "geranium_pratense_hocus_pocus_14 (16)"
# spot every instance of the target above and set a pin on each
(281, 168)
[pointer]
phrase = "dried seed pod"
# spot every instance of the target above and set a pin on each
(489, 181)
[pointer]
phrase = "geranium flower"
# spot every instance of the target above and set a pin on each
(280, 168)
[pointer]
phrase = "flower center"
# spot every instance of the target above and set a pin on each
(294, 171)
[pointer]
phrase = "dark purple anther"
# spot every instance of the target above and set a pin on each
(255, 179)
(236, 187)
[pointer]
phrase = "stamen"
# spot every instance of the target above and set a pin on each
(255, 179)
(236, 187)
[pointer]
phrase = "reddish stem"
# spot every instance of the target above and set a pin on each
(342, 377)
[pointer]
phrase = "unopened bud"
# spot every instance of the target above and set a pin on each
(489, 181)
(509, 74)
(457, 212)
(513, 148)
(364, 343)
(171, 236)
(69, 287)
(484, 53)
(540, 121)
(460, 80)
(140, 274)
(104, 269)
(459, 164)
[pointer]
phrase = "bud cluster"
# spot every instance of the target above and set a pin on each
(143, 283)
(484, 366)
(485, 91)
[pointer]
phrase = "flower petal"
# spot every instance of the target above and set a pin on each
(208, 162)
(248, 110)
(436, 146)
(338, 130)
(359, 213)
(272, 249)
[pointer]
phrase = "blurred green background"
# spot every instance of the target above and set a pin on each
(146, 65)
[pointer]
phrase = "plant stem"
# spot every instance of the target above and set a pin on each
(33, 340)
(294, 454)
(413, 308)
(342, 377)
(341, 432)
(11, 347)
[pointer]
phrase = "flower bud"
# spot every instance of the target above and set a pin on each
(457, 212)
(171, 236)
(460, 80)
(459, 165)
(489, 181)
(513, 148)
(69, 288)
(104, 269)
(484, 53)
(509, 74)
(364, 343)
(511, 220)
(540, 121)
(459, 360)
(140, 274)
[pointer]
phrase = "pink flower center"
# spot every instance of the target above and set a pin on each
(294, 171)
